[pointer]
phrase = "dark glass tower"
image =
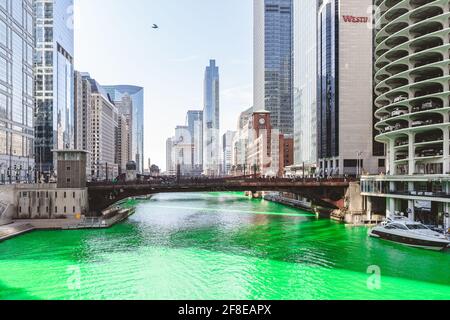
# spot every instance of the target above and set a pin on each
(273, 46)
(54, 86)
(328, 99)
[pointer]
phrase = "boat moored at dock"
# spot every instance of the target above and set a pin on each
(413, 234)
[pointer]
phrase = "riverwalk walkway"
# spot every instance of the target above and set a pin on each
(20, 227)
(14, 229)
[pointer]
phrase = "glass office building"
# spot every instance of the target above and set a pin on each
(328, 92)
(16, 91)
(137, 96)
(54, 114)
(305, 82)
(273, 44)
(211, 121)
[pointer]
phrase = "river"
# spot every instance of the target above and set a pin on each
(218, 246)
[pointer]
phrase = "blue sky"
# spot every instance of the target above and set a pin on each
(115, 43)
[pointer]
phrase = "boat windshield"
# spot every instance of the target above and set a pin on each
(416, 227)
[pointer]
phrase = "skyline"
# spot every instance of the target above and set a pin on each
(307, 153)
(228, 28)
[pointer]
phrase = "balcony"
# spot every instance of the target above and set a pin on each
(399, 112)
(396, 127)
(421, 194)
(427, 105)
(400, 99)
(429, 153)
(422, 123)
(429, 137)
(433, 58)
(428, 28)
(425, 44)
(429, 76)
(401, 142)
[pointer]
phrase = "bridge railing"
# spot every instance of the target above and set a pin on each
(183, 181)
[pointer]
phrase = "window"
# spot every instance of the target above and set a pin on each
(65, 195)
(56, 209)
(3, 32)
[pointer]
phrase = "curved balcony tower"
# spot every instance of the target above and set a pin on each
(412, 85)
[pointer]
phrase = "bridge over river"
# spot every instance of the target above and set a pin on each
(328, 193)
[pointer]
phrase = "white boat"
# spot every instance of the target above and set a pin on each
(413, 234)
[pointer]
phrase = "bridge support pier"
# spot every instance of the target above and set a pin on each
(254, 194)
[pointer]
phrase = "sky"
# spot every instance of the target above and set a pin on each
(115, 43)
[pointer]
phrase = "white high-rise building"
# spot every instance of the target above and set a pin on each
(305, 83)
(122, 156)
(170, 164)
(83, 114)
(227, 146)
(194, 122)
(104, 120)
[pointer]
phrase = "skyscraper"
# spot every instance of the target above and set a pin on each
(54, 114)
(344, 102)
(211, 120)
(182, 151)
(16, 90)
(227, 146)
(83, 114)
(122, 142)
(137, 96)
(104, 133)
(305, 83)
(412, 101)
(273, 61)
(125, 109)
(194, 122)
(170, 164)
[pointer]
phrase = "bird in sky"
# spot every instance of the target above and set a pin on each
(155, 26)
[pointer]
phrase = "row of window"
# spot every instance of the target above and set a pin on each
(47, 210)
(38, 194)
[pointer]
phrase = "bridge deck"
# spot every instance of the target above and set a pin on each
(104, 194)
(223, 183)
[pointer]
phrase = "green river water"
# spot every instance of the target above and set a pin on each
(218, 246)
